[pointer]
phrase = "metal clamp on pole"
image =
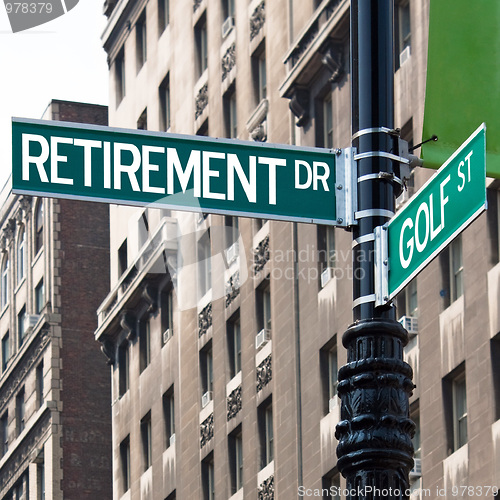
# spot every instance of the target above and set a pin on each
(381, 266)
(346, 199)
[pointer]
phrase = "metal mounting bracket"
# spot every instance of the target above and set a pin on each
(346, 186)
(381, 266)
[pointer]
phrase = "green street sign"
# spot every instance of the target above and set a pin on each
(441, 209)
(193, 173)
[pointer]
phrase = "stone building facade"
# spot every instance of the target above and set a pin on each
(224, 373)
(54, 382)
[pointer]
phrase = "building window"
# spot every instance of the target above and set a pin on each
(326, 247)
(230, 116)
(39, 385)
(234, 346)
(206, 369)
(21, 326)
(20, 411)
(164, 92)
(415, 416)
(459, 396)
(259, 75)
(402, 30)
(266, 433)
(41, 479)
(456, 269)
(144, 343)
(147, 445)
(167, 314)
(4, 433)
(39, 227)
(208, 478)
(123, 368)
(236, 460)
(328, 121)
(5, 281)
(5, 351)
(142, 122)
(264, 307)
(227, 8)
(141, 41)
(329, 374)
(122, 258)
(125, 463)
(204, 264)
(407, 300)
(21, 255)
(39, 297)
(200, 35)
(120, 76)
(169, 416)
(232, 230)
(331, 485)
(163, 15)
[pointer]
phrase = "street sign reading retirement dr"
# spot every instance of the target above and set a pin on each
(190, 173)
(441, 209)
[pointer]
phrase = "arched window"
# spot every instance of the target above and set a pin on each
(4, 295)
(21, 254)
(39, 227)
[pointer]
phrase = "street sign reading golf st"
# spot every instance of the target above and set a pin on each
(441, 209)
(192, 173)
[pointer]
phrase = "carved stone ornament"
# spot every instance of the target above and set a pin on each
(17, 378)
(232, 288)
(201, 101)
(9, 229)
(266, 489)
(261, 255)
(127, 322)
(204, 319)
(259, 133)
(257, 20)
(299, 105)
(149, 294)
(228, 61)
(234, 403)
(333, 59)
(206, 430)
(264, 373)
(108, 348)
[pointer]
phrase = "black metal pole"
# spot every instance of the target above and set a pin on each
(375, 449)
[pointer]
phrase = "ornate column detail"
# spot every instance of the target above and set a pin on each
(299, 105)
(259, 133)
(266, 489)
(201, 101)
(228, 60)
(261, 255)
(9, 230)
(232, 288)
(257, 20)
(264, 373)
(206, 430)
(204, 319)
(374, 387)
(233, 403)
(333, 59)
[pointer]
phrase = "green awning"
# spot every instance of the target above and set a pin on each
(463, 79)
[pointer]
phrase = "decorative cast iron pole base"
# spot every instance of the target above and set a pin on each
(375, 449)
